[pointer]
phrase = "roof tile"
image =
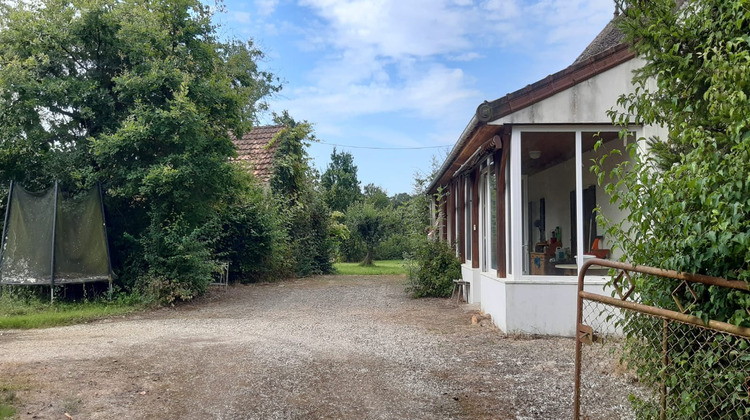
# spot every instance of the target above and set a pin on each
(253, 148)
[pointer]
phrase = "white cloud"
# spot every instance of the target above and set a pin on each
(393, 28)
(410, 56)
(429, 93)
(505, 8)
(241, 17)
(468, 56)
(266, 7)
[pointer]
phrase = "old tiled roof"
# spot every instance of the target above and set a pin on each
(253, 149)
(609, 37)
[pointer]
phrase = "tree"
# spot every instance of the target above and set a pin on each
(141, 96)
(293, 182)
(340, 183)
(376, 196)
(368, 224)
(400, 200)
(687, 200)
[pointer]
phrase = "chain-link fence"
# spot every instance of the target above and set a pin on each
(665, 364)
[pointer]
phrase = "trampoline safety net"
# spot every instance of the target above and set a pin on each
(80, 247)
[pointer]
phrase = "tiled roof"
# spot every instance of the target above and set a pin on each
(252, 148)
(609, 37)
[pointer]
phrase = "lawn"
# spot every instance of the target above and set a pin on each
(379, 268)
(33, 313)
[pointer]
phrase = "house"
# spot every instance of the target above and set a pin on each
(517, 196)
(253, 148)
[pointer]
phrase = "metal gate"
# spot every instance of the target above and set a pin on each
(676, 365)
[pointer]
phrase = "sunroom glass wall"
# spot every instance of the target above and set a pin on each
(548, 194)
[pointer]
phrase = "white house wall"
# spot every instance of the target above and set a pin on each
(494, 300)
(547, 304)
(584, 103)
(547, 308)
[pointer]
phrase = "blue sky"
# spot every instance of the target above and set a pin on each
(405, 73)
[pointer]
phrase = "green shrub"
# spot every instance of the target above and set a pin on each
(311, 244)
(253, 238)
(686, 200)
(353, 249)
(432, 272)
(392, 248)
(180, 260)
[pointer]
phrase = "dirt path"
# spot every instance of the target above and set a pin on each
(328, 347)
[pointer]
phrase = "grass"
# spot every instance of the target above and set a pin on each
(33, 313)
(6, 411)
(385, 267)
(7, 399)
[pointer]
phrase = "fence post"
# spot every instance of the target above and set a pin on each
(665, 363)
(52, 259)
(579, 321)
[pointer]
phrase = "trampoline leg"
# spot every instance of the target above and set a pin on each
(110, 290)
(51, 294)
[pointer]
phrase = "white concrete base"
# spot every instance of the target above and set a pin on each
(472, 276)
(543, 305)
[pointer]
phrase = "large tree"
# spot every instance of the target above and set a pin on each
(687, 200)
(140, 95)
(340, 183)
(294, 183)
(367, 223)
(375, 195)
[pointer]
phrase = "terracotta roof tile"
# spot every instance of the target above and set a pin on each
(252, 148)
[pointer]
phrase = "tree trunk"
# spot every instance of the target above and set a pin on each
(368, 258)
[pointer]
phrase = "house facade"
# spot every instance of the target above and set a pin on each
(517, 196)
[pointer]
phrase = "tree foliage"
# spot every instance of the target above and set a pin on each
(376, 196)
(687, 200)
(141, 96)
(368, 224)
(294, 184)
(340, 183)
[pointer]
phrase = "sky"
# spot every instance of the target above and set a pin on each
(395, 82)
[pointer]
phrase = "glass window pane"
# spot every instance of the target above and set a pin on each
(549, 203)
(612, 146)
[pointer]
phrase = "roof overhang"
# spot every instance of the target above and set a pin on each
(480, 129)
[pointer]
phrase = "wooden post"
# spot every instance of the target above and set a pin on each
(462, 219)
(475, 218)
(450, 216)
(501, 160)
(444, 221)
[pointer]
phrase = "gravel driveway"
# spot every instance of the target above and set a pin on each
(327, 347)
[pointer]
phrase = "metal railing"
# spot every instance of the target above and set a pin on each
(662, 362)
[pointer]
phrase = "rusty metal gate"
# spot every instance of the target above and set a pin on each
(664, 362)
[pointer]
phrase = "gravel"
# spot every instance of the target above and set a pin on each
(326, 347)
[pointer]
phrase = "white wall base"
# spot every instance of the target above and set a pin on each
(542, 305)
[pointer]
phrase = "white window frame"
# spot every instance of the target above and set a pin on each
(515, 205)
